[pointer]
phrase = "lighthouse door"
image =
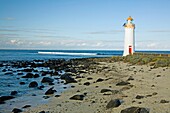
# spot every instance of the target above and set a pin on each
(130, 50)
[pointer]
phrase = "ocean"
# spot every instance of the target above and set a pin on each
(10, 80)
(9, 55)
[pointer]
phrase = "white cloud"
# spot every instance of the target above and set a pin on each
(105, 32)
(13, 41)
(45, 43)
(152, 45)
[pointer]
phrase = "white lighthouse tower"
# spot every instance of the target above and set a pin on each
(129, 42)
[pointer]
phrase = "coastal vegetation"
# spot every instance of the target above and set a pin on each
(139, 59)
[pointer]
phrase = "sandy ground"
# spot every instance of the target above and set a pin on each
(152, 84)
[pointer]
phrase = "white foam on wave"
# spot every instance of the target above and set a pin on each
(66, 53)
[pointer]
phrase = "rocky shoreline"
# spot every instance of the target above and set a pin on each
(99, 85)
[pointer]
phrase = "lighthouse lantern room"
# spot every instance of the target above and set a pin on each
(129, 41)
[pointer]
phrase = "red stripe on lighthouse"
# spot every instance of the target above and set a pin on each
(130, 50)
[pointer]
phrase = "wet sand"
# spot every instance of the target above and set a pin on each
(146, 87)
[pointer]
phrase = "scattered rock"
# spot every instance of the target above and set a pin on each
(4, 70)
(148, 96)
(41, 87)
(87, 83)
(100, 80)
(28, 70)
(36, 75)
(28, 75)
(130, 78)
(153, 86)
(113, 103)
(22, 83)
(57, 95)
(139, 97)
(20, 73)
(42, 112)
(96, 86)
(50, 91)
(93, 101)
(67, 77)
(72, 86)
(89, 78)
(154, 93)
(85, 93)
(158, 76)
(77, 97)
(34, 95)
(33, 84)
(164, 101)
(14, 92)
(82, 71)
(4, 98)
(51, 83)
(47, 80)
(26, 106)
(16, 110)
(122, 83)
(64, 87)
(135, 110)
(43, 74)
(46, 97)
(8, 73)
(55, 74)
(78, 76)
(105, 90)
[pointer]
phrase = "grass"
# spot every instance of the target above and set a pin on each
(150, 59)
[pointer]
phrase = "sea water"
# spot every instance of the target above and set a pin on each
(9, 55)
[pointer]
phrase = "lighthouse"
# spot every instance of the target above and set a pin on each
(129, 41)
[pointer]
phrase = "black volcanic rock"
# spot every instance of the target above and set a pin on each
(87, 83)
(8, 73)
(4, 98)
(130, 78)
(139, 97)
(113, 104)
(22, 83)
(164, 101)
(20, 73)
(68, 78)
(16, 110)
(36, 75)
(122, 83)
(77, 97)
(26, 106)
(14, 92)
(28, 70)
(28, 75)
(33, 84)
(57, 95)
(135, 110)
(41, 87)
(105, 90)
(100, 80)
(50, 91)
(89, 78)
(47, 80)
(4, 70)
(42, 112)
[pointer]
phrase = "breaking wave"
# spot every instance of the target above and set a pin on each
(67, 53)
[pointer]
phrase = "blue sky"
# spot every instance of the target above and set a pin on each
(83, 24)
